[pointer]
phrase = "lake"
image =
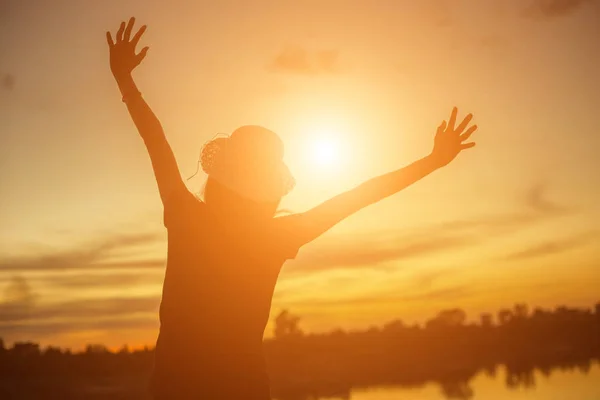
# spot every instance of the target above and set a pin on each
(559, 385)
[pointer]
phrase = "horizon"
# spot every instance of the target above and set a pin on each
(83, 248)
(495, 321)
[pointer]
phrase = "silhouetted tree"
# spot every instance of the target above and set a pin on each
(520, 311)
(486, 320)
(26, 349)
(395, 326)
(286, 325)
(320, 365)
(52, 351)
(96, 349)
(504, 316)
(448, 318)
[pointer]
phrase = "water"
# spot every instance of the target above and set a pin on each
(560, 385)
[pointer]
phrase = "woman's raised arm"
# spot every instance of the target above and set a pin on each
(123, 60)
(449, 142)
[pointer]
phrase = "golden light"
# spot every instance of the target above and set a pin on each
(325, 146)
(326, 151)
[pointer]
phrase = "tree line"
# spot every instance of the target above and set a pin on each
(446, 349)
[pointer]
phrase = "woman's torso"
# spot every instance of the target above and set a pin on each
(217, 293)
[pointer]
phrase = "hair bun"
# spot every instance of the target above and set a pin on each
(210, 152)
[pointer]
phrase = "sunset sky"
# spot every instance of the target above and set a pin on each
(82, 245)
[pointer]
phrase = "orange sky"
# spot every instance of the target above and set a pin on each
(82, 245)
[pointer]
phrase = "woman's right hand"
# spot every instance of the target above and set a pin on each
(450, 139)
(123, 58)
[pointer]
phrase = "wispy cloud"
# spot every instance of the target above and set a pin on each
(23, 313)
(18, 300)
(362, 252)
(554, 8)
(114, 280)
(556, 246)
(494, 41)
(20, 312)
(300, 61)
(97, 254)
(40, 329)
(535, 206)
(442, 12)
(375, 300)
(7, 81)
(353, 252)
(537, 200)
(78, 309)
(372, 252)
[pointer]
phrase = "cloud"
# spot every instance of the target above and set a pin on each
(81, 309)
(537, 200)
(372, 252)
(442, 12)
(535, 207)
(555, 247)
(97, 254)
(21, 314)
(20, 311)
(21, 317)
(494, 42)
(40, 329)
(298, 60)
(17, 300)
(99, 280)
(337, 253)
(554, 8)
(7, 82)
(426, 280)
(376, 300)
(6, 7)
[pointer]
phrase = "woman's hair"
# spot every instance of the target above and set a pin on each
(210, 151)
(246, 171)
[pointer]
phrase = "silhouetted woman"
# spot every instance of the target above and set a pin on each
(225, 253)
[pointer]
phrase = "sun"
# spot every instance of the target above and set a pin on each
(325, 147)
(325, 151)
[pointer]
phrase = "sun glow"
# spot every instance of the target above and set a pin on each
(325, 151)
(325, 148)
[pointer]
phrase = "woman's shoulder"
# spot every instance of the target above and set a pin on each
(180, 207)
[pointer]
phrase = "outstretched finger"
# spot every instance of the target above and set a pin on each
(467, 145)
(141, 55)
(452, 120)
(109, 39)
(120, 32)
(464, 123)
(127, 34)
(468, 133)
(138, 35)
(442, 127)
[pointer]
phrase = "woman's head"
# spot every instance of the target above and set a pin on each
(246, 172)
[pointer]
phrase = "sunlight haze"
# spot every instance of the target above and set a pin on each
(355, 89)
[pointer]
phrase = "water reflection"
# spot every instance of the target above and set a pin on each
(498, 382)
(447, 351)
(559, 383)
